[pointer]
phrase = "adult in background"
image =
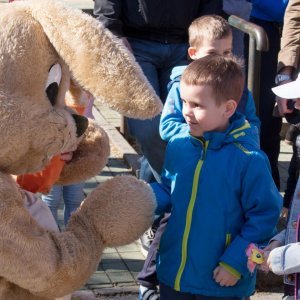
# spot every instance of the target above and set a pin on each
(269, 15)
(287, 70)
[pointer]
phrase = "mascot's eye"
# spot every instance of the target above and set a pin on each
(53, 82)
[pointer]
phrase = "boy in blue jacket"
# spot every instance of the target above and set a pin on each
(218, 186)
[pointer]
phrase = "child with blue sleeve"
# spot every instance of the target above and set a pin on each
(207, 35)
(218, 187)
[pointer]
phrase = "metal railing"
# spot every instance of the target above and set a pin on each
(258, 41)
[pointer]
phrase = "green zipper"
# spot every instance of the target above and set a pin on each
(189, 217)
(228, 240)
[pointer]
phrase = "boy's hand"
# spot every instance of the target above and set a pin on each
(223, 277)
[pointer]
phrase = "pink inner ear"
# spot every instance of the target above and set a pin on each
(250, 265)
(249, 251)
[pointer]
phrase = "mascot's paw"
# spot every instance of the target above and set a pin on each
(119, 210)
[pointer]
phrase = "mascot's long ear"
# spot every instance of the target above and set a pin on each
(97, 59)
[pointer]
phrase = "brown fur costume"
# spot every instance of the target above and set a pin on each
(36, 263)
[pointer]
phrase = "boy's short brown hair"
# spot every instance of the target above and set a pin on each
(224, 74)
(209, 27)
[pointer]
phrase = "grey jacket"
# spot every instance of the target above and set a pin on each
(286, 259)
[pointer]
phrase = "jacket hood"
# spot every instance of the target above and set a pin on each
(239, 132)
(177, 71)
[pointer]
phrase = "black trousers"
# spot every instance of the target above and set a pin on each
(167, 293)
(270, 126)
(147, 277)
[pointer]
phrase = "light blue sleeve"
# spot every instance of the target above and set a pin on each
(172, 121)
(163, 190)
(261, 204)
(250, 112)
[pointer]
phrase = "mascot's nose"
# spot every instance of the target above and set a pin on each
(81, 124)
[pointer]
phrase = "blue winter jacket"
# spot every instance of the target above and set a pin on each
(172, 121)
(269, 10)
(222, 197)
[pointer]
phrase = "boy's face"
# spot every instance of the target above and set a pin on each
(222, 47)
(201, 111)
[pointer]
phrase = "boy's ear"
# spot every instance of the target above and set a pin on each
(192, 52)
(230, 108)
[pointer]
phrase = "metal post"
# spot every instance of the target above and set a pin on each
(258, 41)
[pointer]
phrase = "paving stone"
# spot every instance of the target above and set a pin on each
(116, 266)
(135, 266)
(99, 277)
(132, 255)
(110, 250)
(120, 277)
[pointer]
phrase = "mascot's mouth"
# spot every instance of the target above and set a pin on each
(81, 124)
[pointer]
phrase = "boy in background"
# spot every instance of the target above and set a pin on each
(207, 35)
(218, 185)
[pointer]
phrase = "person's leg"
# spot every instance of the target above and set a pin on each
(289, 292)
(270, 126)
(291, 180)
(242, 9)
(73, 196)
(157, 61)
(146, 132)
(174, 55)
(167, 293)
(53, 199)
(147, 276)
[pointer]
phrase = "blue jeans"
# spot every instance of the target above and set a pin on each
(157, 61)
(72, 195)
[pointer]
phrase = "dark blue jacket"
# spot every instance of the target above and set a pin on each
(164, 21)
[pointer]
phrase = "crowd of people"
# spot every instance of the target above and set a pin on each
(210, 159)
